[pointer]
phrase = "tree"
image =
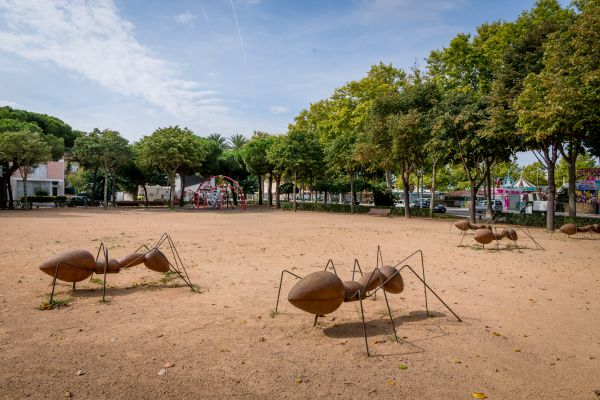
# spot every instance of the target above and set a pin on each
(296, 154)
(257, 163)
(168, 149)
(105, 149)
(400, 125)
(219, 139)
(56, 133)
(25, 149)
(237, 142)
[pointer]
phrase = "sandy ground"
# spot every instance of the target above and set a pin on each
(531, 318)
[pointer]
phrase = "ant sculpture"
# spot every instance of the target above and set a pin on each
(465, 225)
(572, 229)
(77, 265)
(486, 233)
(323, 292)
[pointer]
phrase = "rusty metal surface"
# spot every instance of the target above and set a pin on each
(353, 291)
(318, 293)
(82, 259)
(156, 261)
(393, 280)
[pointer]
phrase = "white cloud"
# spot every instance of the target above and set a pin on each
(185, 18)
(92, 40)
(279, 110)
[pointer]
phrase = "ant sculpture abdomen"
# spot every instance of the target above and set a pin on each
(323, 292)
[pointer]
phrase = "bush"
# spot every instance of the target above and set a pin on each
(382, 195)
(539, 219)
(339, 208)
(59, 201)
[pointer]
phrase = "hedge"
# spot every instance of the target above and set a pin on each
(358, 209)
(59, 201)
(539, 219)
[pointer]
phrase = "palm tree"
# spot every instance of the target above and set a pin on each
(237, 141)
(219, 139)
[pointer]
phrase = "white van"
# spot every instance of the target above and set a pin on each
(482, 206)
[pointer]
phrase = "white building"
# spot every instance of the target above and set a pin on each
(46, 179)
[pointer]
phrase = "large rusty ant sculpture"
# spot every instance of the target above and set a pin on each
(465, 225)
(487, 233)
(77, 265)
(572, 229)
(323, 292)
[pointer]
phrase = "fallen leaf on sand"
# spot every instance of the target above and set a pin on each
(479, 395)
(391, 382)
(402, 366)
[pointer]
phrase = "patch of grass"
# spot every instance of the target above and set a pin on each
(272, 314)
(54, 304)
(168, 277)
(97, 281)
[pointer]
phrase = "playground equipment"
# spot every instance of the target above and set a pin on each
(323, 292)
(217, 191)
(76, 265)
(572, 229)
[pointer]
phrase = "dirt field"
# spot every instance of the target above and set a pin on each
(531, 318)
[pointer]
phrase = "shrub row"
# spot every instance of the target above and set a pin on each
(345, 208)
(539, 219)
(45, 199)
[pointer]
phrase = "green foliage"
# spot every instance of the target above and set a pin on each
(54, 304)
(539, 219)
(382, 195)
(170, 149)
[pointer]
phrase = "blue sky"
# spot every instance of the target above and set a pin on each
(226, 66)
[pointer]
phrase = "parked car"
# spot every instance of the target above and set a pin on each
(421, 204)
(438, 208)
(78, 201)
(481, 207)
(400, 204)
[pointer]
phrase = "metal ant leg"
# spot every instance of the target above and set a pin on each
(362, 314)
(105, 268)
(462, 238)
(279, 292)
(356, 264)
(431, 290)
(330, 262)
(420, 252)
(315, 323)
(390, 314)
(54, 281)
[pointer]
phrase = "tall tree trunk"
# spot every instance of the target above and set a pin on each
(114, 190)
(3, 192)
(172, 190)
(145, 195)
(11, 200)
(432, 202)
(4, 182)
(406, 189)
(270, 188)
(105, 188)
(570, 157)
(351, 192)
(277, 191)
(24, 174)
(182, 194)
(95, 177)
(489, 211)
(260, 190)
(472, 209)
(294, 189)
(388, 178)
